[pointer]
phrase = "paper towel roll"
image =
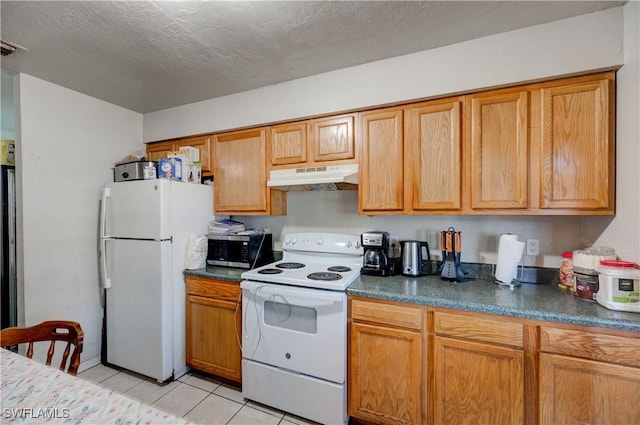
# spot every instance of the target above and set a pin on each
(509, 255)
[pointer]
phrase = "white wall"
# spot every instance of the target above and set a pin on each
(67, 144)
(6, 106)
(623, 231)
(584, 43)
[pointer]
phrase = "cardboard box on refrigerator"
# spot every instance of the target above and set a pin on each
(170, 168)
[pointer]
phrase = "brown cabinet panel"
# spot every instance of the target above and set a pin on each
(577, 391)
(577, 145)
(332, 138)
(381, 164)
(591, 345)
(203, 144)
(388, 314)
(385, 375)
(433, 157)
(499, 149)
(158, 150)
(479, 328)
(289, 144)
(213, 327)
(477, 383)
(241, 175)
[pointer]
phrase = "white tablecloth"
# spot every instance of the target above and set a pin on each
(33, 393)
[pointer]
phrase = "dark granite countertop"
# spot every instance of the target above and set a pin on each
(216, 272)
(529, 301)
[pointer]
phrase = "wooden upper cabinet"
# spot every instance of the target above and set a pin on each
(381, 185)
(332, 138)
(578, 152)
(240, 170)
(289, 144)
(499, 142)
(433, 166)
(321, 141)
(203, 144)
(158, 150)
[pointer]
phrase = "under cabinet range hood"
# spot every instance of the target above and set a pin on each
(329, 177)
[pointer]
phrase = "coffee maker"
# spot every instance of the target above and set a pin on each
(380, 254)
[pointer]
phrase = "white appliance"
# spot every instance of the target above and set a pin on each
(145, 226)
(313, 177)
(294, 312)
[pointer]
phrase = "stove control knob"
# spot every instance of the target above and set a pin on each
(287, 241)
(319, 241)
(349, 243)
(293, 241)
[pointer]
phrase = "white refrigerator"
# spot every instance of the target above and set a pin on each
(145, 226)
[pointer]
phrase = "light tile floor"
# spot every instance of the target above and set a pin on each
(195, 397)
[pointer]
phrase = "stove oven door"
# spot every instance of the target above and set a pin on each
(299, 329)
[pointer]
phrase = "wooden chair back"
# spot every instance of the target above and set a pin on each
(54, 330)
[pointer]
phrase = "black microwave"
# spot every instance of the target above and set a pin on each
(242, 251)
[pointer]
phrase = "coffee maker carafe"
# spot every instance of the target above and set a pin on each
(378, 259)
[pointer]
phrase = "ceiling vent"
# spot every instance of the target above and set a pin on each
(9, 48)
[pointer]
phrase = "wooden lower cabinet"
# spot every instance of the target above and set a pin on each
(214, 328)
(385, 363)
(413, 364)
(589, 377)
(477, 383)
(578, 391)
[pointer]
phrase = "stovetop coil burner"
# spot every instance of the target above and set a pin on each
(324, 276)
(290, 265)
(269, 271)
(339, 269)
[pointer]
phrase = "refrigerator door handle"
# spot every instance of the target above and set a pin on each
(106, 193)
(106, 280)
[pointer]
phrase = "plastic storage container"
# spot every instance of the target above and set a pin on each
(619, 285)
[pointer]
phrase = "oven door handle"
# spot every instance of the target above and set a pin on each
(299, 296)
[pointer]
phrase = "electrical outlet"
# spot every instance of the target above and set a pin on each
(533, 247)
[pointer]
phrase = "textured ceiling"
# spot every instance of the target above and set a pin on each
(153, 55)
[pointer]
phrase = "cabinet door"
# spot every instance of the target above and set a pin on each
(477, 383)
(203, 144)
(240, 172)
(577, 391)
(289, 144)
(384, 374)
(156, 151)
(332, 139)
(432, 159)
(381, 164)
(213, 327)
(578, 146)
(499, 150)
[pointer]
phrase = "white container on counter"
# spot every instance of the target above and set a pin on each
(619, 285)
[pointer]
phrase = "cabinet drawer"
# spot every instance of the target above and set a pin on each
(478, 328)
(590, 345)
(390, 314)
(213, 288)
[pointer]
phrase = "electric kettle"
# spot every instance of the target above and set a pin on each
(416, 260)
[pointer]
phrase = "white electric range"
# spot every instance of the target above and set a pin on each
(294, 332)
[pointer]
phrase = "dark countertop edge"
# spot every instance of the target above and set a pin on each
(502, 311)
